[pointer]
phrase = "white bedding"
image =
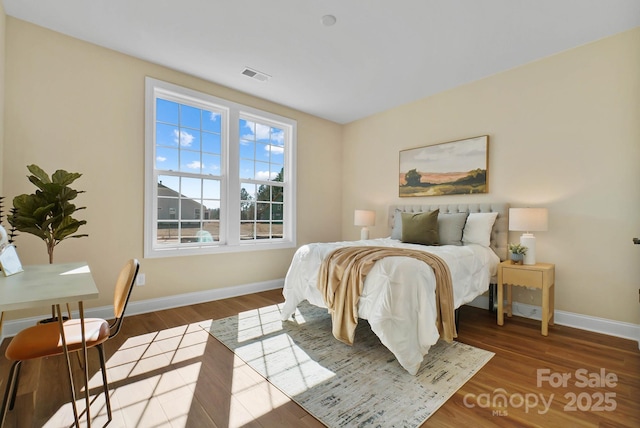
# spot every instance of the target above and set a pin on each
(398, 298)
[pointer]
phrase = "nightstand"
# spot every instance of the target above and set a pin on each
(540, 275)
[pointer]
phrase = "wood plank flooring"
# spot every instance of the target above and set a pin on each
(165, 371)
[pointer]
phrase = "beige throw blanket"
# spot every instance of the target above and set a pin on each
(342, 276)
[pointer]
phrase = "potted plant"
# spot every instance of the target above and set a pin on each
(518, 252)
(48, 212)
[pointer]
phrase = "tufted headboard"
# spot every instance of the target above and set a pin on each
(499, 234)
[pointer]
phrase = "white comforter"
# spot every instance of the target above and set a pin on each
(399, 292)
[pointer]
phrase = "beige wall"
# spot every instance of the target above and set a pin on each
(79, 107)
(564, 134)
(3, 22)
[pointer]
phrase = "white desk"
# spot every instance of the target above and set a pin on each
(54, 284)
(46, 285)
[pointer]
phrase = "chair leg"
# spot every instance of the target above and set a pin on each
(15, 388)
(12, 386)
(105, 383)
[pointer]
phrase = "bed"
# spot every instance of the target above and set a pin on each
(398, 296)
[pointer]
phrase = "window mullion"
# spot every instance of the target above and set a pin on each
(233, 179)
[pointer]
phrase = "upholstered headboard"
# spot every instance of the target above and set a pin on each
(499, 234)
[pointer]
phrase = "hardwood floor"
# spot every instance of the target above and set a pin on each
(165, 371)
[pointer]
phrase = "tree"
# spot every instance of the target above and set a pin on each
(413, 178)
(269, 193)
(246, 202)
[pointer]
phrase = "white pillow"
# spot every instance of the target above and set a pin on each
(477, 230)
(396, 231)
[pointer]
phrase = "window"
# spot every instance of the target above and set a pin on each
(219, 176)
(261, 172)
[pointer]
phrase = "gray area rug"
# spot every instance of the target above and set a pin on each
(343, 386)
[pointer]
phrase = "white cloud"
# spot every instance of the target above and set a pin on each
(278, 150)
(183, 138)
(266, 175)
(459, 157)
(277, 135)
(161, 158)
(194, 165)
(263, 132)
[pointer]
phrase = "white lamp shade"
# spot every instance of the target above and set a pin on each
(364, 218)
(528, 219)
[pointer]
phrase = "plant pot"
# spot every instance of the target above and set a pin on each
(49, 320)
(516, 259)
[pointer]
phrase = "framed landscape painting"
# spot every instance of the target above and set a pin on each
(453, 168)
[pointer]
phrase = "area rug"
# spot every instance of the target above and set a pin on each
(340, 385)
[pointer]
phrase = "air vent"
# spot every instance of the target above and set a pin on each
(254, 74)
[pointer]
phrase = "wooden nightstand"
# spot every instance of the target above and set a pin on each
(540, 275)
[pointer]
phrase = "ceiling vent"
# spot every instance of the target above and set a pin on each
(254, 74)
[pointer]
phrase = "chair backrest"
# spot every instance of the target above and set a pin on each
(124, 286)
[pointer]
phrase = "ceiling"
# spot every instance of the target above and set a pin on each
(378, 55)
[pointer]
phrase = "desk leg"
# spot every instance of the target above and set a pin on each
(545, 310)
(86, 363)
(500, 287)
(66, 355)
(552, 304)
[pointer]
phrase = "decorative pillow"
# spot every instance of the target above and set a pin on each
(450, 227)
(420, 228)
(477, 230)
(396, 231)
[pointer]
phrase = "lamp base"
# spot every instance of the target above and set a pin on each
(364, 233)
(529, 241)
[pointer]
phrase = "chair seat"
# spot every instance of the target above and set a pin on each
(45, 340)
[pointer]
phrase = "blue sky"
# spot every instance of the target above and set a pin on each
(188, 139)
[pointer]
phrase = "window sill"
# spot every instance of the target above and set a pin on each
(218, 249)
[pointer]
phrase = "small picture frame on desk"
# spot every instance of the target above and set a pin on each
(9, 261)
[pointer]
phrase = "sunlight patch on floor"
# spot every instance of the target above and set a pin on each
(153, 376)
(268, 348)
(252, 395)
(152, 380)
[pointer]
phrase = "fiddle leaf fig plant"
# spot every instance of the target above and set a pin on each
(48, 213)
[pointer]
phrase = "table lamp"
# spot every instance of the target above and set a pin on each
(364, 218)
(528, 220)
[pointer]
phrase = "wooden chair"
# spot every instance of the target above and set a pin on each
(43, 340)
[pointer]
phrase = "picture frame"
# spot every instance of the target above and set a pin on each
(452, 168)
(9, 261)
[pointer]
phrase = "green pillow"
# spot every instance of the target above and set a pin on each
(420, 228)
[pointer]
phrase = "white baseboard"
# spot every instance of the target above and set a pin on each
(569, 319)
(584, 322)
(11, 328)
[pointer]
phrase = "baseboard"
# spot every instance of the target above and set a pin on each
(11, 328)
(570, 319)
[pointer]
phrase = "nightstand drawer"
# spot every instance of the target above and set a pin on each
(530, 278)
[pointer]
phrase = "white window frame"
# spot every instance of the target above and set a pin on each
(230, 181)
